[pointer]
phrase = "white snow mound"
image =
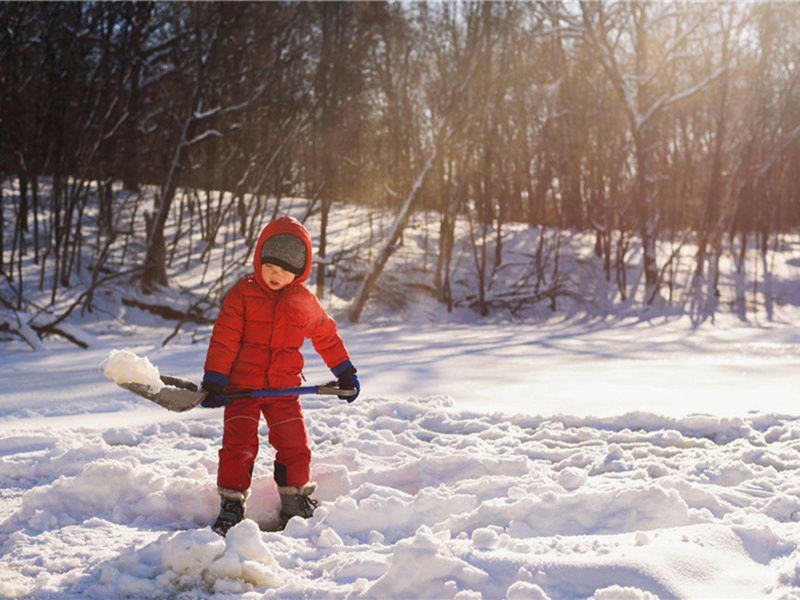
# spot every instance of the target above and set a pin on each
(123, 366)
(194, 560)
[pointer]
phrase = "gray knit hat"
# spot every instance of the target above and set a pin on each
(286, 251)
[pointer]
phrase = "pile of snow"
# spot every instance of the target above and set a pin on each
(193, 560)
(124, 366)
(418, 499)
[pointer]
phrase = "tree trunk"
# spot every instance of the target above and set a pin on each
(391, 243)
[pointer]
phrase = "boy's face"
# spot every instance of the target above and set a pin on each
(275, 277)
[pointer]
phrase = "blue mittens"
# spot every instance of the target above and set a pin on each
(214, 384)
(348, 380)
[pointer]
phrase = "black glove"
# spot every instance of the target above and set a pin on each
(214, 384)
(348, 380)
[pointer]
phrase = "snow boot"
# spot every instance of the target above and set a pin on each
(295, 502)
(231, 510)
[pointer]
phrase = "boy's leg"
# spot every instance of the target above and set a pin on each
(231, 510)
(296, 502)
(287, 435)
(239, 445)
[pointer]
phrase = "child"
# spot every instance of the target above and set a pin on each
(255, 344)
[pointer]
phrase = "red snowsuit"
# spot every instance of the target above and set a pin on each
(256, 343)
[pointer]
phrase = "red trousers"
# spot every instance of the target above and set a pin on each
(287, 436)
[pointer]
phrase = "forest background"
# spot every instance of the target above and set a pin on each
(656, 128)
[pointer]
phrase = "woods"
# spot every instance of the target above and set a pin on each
(648, 124)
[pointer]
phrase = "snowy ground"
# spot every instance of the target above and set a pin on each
(583, 458)
(550, 457)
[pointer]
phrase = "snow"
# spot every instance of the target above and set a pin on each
(532, 478)
(124, 366)
(600, 454)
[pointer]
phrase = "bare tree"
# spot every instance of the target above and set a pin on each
(647, 84)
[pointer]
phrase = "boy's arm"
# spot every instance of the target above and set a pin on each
(324, 335)
(329, 345)
(226, 335)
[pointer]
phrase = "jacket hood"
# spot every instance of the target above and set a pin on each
(283, 225)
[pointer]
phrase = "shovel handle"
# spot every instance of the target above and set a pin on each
(328, 389)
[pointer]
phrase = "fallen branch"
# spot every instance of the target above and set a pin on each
(50, 329)
(14, 321)
(168, 312)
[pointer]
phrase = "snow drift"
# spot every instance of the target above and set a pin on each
(419, 499)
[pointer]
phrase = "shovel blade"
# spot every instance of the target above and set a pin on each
(177, 395)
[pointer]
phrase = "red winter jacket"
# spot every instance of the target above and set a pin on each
(257, 337)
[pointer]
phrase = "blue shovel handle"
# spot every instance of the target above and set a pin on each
(328, 389)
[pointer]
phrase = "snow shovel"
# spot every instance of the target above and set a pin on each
(180, 395)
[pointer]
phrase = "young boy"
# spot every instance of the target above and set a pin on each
(255, 344)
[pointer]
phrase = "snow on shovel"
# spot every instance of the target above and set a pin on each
(138, 375)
